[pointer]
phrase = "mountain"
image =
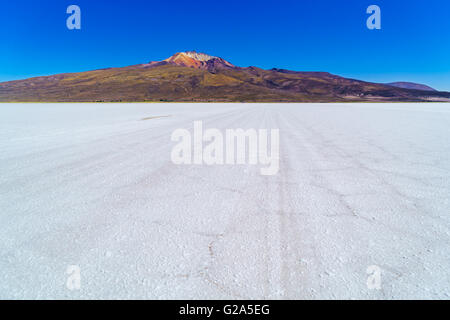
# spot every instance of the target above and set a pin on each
(192, 76)
(411, 85)
(195, 60)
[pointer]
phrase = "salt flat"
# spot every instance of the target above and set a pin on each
(92, 185)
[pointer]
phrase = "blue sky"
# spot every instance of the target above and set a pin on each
(304, 35)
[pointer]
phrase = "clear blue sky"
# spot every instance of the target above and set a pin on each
(304, 35)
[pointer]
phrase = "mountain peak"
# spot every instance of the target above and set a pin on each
(198, 55)
(194, 59)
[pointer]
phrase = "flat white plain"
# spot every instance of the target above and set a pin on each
(93, 186)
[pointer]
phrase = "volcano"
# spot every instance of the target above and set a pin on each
(192, 59)
(191, 76)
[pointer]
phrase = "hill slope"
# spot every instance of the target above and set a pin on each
(411, 85)
(191, 76)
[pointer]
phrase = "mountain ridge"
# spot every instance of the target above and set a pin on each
(197, 77)
(411, 85)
